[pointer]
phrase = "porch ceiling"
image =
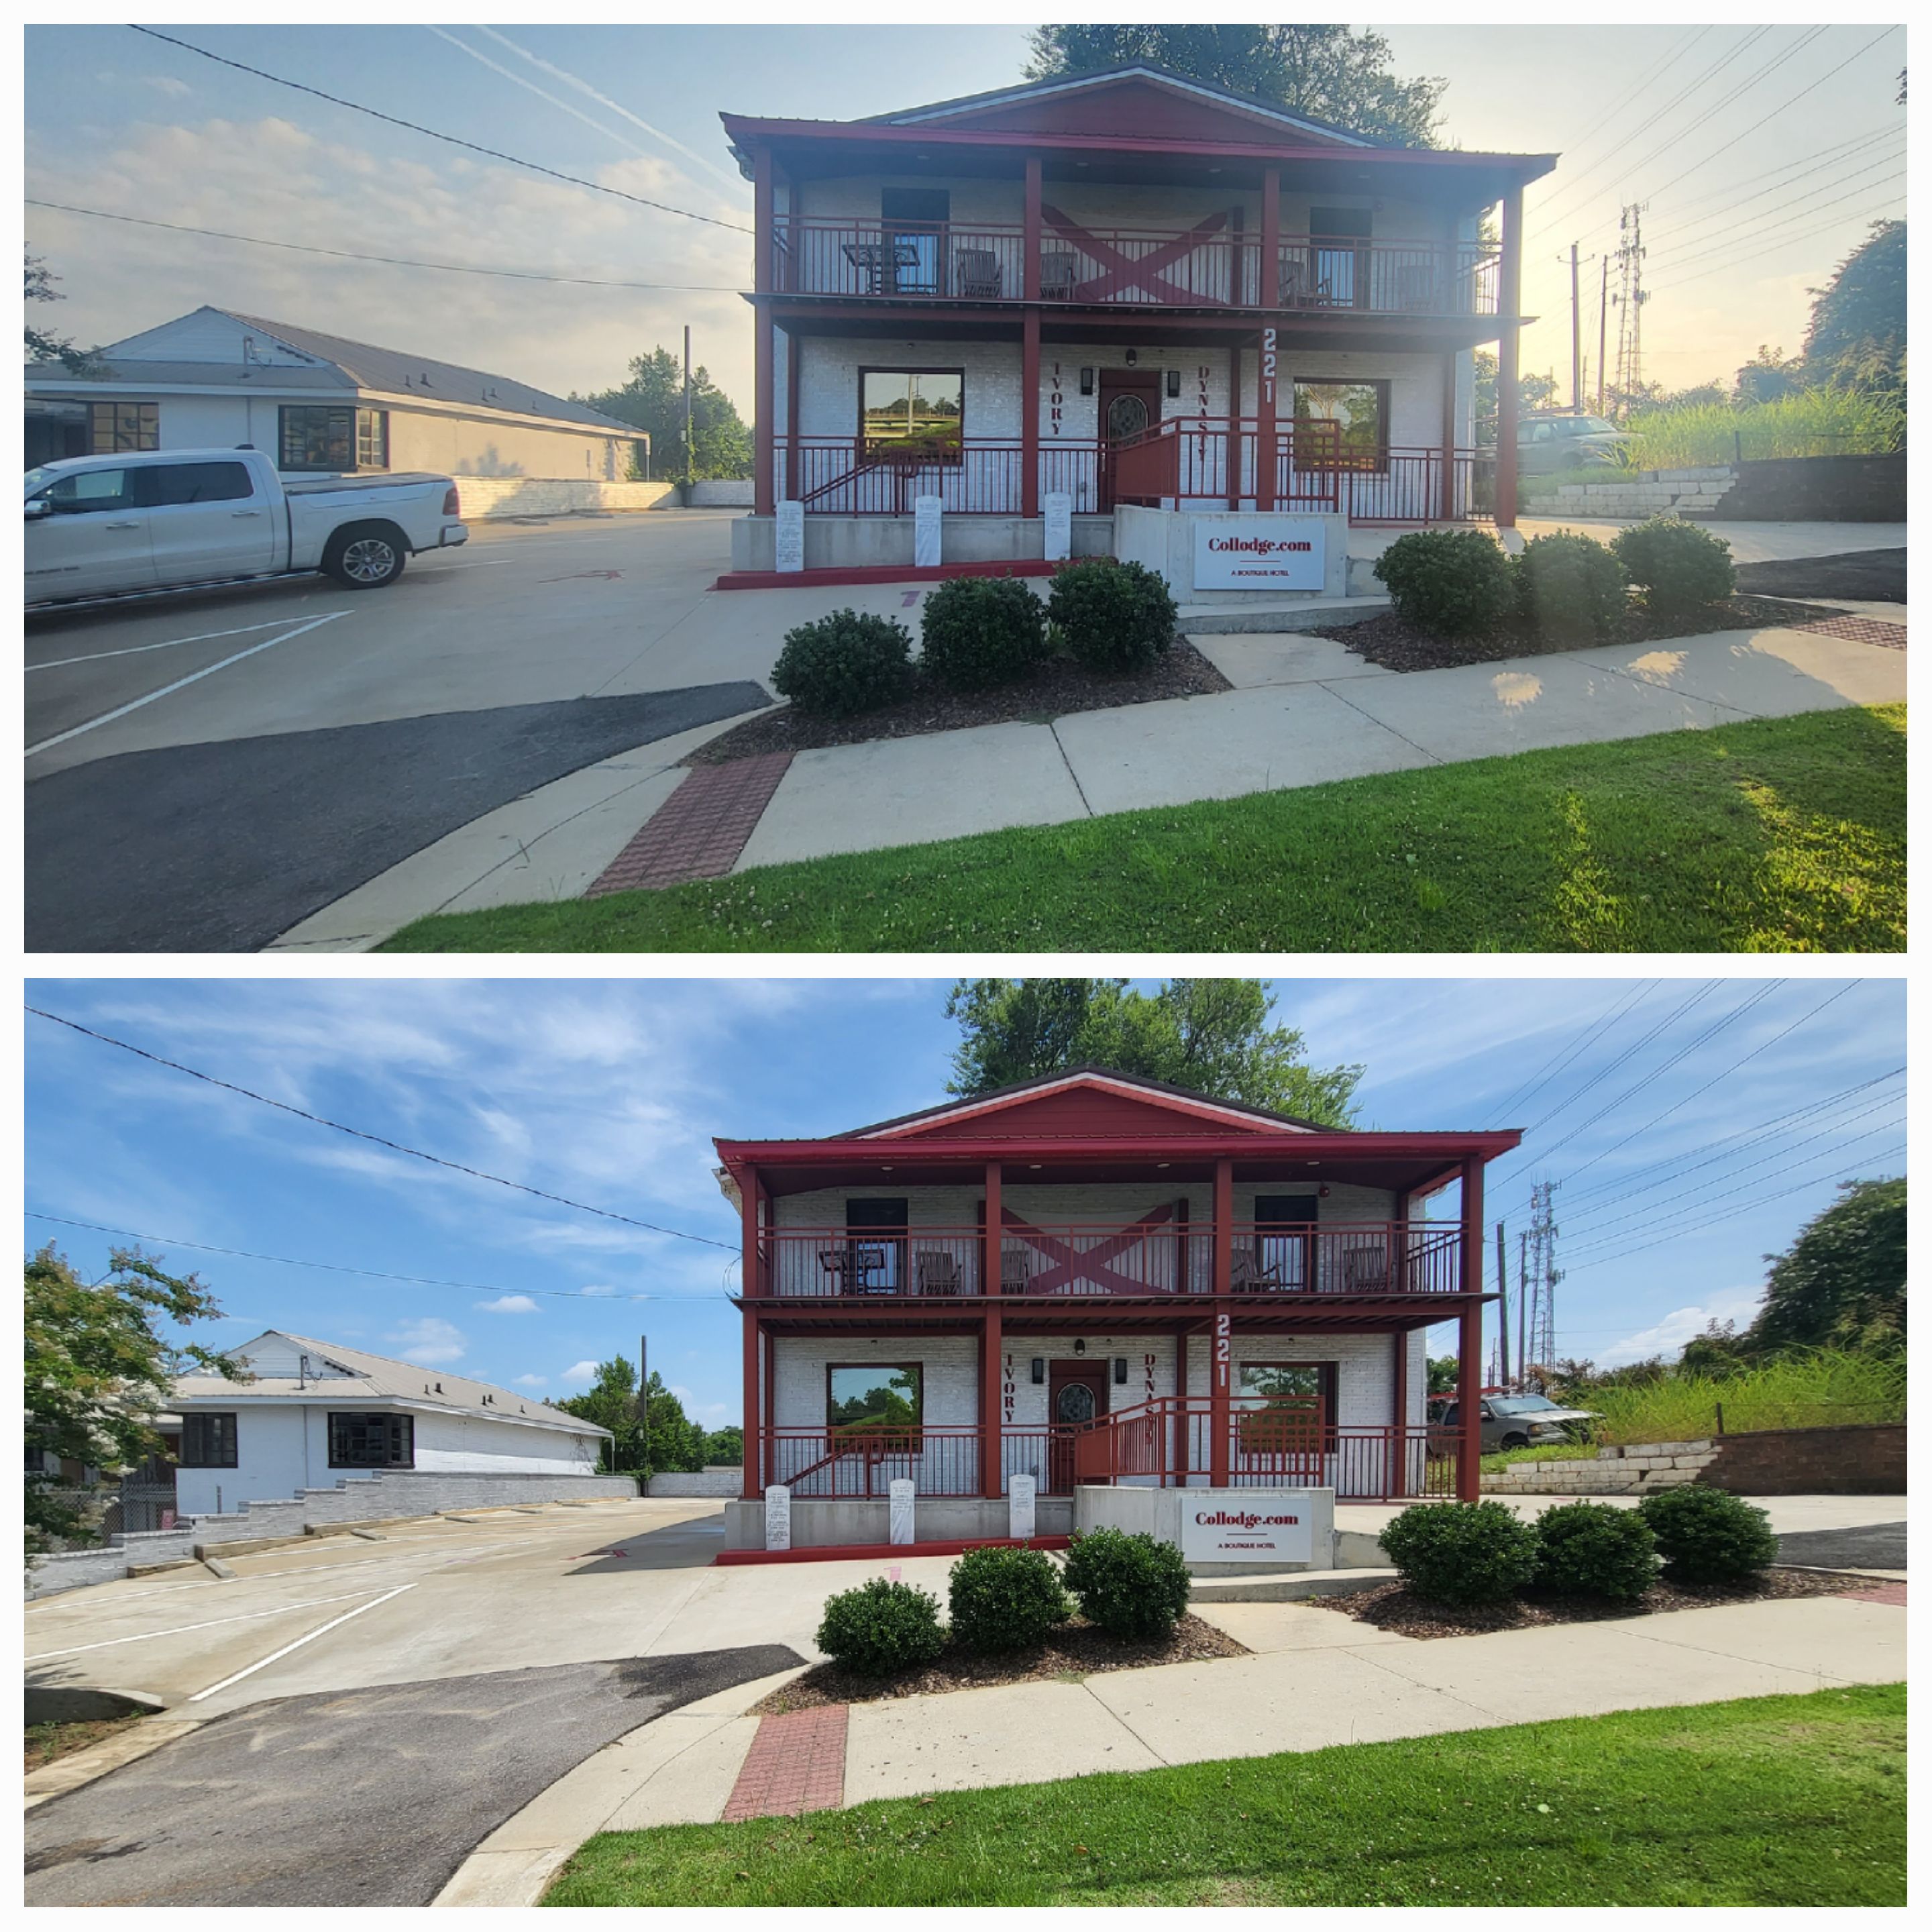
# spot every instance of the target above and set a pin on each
(1413, 1175)
(1122, 1315)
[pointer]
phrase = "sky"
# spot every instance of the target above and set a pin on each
(1692, 1126)
(1714, 129)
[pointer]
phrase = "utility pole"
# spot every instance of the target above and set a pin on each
(1603, 319)
(1630, 299)
(643, 1376)
(688, 451)
(1539, 1277)
(1502, 1377)
(1576, 342)
(1522, 1310)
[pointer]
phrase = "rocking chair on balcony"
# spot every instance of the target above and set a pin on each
(938, 1272)
(1250, 1277)
(977, 275)
(1300, 289)
(1057, 274)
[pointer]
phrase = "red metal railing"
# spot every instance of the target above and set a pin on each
(849, 476)
(938, 1461)
(1419, 486)
(1203, 267)
(1195, 461)
(1158, 1255)
(1169, 1442)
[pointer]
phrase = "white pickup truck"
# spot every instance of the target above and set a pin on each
(163, 520)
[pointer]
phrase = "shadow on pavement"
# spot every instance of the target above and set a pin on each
(1875, 575)
(678, 1545)
(1872, 1545)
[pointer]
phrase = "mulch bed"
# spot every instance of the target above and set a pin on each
(1059, 687)
(1078, 1649)
(1396, 644)
(1391, 1607)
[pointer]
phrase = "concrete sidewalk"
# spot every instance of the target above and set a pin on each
(1316, 1677)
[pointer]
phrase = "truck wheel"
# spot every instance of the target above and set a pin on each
(366, 557)
(1516, 1442)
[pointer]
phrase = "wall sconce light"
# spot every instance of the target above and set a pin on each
(1174, 382)
(1120, 1370)
(1039, 1368)
(1086, 382)
(1080, 1346)
(1323, 1191)
(1133, 356)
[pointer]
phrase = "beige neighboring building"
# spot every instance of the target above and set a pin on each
(322, 404)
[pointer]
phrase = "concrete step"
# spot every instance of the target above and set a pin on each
(1285, 1586)
(1302, 613)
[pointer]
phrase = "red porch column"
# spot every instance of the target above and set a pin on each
(1469, 1342)
(1270, 298)
(1029, 414)
(1509, 302)
(763, 401)
(1220, 1342)
(992, 1450)
(752, 1285)
(1396, 1477)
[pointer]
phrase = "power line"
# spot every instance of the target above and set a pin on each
(1649, 75)
(1762, 222)
(1602, 1073)
(1877, 211)
(1552, 1067)
(372, 1274)
(454, 140)
(1752, 237)
(1775, 185)
(394, 261)
(1840, 149)
(379, 1140)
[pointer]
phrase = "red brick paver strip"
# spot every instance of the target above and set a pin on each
(1860, 630)
(699, 831)
(796, 1763)
(1878, 1593)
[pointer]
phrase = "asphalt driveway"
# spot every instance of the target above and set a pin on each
(1875, 1546)
(352, 1797)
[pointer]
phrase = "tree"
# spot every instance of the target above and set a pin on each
(1717, 1351)
(1770, 374)
(653, 400)
(1330, 73)
(1211, 1035)
(1537, 392)
(665, 1439)
(1841, 1284)
(723, 1446)
(1857, 334)
(97, 1374)
(1445, 1371)
(43, 346)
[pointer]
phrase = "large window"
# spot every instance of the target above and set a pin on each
(372, 1441)
(913, 412)
(208, 1442)
(1296, 1408)
(873, 1398)
(114, 427)
(333, 437)
(1359, 411)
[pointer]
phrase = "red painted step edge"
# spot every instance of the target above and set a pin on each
(867, 1552)
(791, 580)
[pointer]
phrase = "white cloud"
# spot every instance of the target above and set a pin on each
(166, 83)
(533, 1382)
(509, 1304)
(431, 1341)
(577, 1373)
(1666, 1336)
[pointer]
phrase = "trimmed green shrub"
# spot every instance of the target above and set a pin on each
(1709, 1536)
(1128, 1584)
(978, 631)
(1462, 1552)
(1569, 586)
(1114, 616)
(1594, 1550)
(844, 664)
(1679, 567)
(1450, 582)
(881, 1627)
(1005, 1599)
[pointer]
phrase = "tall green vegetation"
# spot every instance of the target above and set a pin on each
(1842, 1282)
(666, 1439)
(1812, 1388)
(1807, 422)
(652, 400)
(1211, 1036)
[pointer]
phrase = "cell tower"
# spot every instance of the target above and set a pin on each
(1629, 300)
(1540, 1276)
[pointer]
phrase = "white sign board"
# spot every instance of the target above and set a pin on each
(1248, 1526)
(1251, 552)
(925, 532)
(1058, 506)
(778, 1517)
(1021, 1492)
(899, 1507)
(789, 522)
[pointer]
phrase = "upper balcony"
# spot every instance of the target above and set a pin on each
(1206, 267)
(1155, 1256)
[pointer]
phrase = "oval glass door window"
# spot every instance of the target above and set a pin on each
(1075, 1403)
(1126, 416)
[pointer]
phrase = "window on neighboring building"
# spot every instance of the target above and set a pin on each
(372, 1441)
(332, 436)
(874, 1398)
(113, 427)
(1359, 410)
(208, 1441)
(918, 412)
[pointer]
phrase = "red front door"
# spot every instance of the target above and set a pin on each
(1129, 403)
(1076, 1394)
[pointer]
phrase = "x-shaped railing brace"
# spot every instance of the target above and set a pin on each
(1121, 273)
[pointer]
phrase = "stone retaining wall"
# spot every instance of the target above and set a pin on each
(1632, 1470)
(1641, 493)
(484, 497)
(713, 1482)
(388, 1497)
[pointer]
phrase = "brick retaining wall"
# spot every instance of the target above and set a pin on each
(1855, 1459)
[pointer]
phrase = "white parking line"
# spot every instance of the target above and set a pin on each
(180, 683)
(296, 1645)
(181, 1630)
(168, 643)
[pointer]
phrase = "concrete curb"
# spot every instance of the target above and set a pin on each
(96, 1760)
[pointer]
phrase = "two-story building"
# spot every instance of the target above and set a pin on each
(1093, 1278)
(1121, 286)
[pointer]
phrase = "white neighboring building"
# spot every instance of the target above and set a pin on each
(215, 380)
(315, 1414)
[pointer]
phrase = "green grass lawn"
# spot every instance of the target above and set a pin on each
(1781, 835)
(1775, 1801)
